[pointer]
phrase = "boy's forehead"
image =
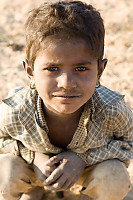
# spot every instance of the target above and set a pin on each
(62, 52)
(52, 43)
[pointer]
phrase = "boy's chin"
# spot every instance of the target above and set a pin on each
(65, 110)
(60, 109)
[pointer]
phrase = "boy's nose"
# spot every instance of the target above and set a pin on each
(66, 81)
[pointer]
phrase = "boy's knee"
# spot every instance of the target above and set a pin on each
(15, 174)
(11, 166)
(114, 177)
(110, 180)
(112, 170)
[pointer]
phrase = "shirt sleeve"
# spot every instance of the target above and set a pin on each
(121, 144)
(9, 144)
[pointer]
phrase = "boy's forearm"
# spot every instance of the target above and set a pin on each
(39, 155)
(42, 156)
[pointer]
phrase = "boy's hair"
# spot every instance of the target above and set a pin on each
(64, 20)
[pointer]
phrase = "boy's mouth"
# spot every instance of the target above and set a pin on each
(66, 96)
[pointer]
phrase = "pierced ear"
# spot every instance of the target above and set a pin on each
(102, 67)
(104, 61)
(28, 69)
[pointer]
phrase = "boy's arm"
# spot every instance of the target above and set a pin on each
(121, 145)
(42, 171)
(9, 144)
(113, 150)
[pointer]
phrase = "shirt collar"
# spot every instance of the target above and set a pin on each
(40, 114)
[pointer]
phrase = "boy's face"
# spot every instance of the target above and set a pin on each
(65, 76)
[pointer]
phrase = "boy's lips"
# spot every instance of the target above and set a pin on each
(66, 96)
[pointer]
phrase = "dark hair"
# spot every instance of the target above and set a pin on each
(63, 19)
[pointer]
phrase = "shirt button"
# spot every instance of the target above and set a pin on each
(91, 154)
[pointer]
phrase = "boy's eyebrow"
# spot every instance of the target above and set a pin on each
(52, 64)
(59, 64)
(83, 63)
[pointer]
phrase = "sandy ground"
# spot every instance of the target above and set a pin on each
(118, 19)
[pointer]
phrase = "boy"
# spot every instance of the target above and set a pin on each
(65, 128)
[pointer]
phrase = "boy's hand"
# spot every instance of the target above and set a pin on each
(67, 173)
(42, 170)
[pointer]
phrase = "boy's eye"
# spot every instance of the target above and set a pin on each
(51, 69)
(81, 69)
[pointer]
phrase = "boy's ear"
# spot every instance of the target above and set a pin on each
(29, 71)
(102, 67)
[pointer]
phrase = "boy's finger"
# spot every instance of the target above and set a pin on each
(56, 174)
(52, 168)
(54, 160)
(60, 187)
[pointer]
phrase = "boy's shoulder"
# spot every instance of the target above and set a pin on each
(110, 104)
(19, 100)
(106, 102)
(17, 97)
(108, 97)
(14, 98)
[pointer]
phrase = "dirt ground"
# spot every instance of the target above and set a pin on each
(118, 19)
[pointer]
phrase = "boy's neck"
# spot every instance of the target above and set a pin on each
(63, 126)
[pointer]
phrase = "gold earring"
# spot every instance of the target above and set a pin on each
(99, 84)
(32, 85)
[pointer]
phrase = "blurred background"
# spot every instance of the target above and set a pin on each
(118, 19)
